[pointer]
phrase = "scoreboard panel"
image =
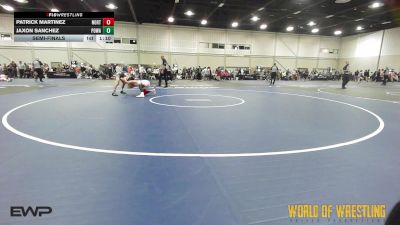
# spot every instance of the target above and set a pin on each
(64, 26)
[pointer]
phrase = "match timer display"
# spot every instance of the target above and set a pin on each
(64, 26)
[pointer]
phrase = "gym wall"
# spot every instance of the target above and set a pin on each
(364, 51)
(185, 46)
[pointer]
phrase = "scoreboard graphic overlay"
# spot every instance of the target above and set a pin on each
(64, 27)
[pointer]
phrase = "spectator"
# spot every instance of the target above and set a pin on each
(5, 78)
(385, 76)
(366, 75)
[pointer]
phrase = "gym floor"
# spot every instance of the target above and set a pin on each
(201, 153)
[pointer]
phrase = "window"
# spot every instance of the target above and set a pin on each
(329, 51)
(334, 51)
(5, 37)
(217, 45)
(204, 45)
(240, 47)
(125, 40)
(129, 41)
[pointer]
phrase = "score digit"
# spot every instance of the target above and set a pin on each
(108, 21)
(108, 30)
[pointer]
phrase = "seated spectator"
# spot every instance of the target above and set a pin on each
(393, 76)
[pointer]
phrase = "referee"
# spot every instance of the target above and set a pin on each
(164, 71)
(274, 73)
(346, 75)
(37, 67)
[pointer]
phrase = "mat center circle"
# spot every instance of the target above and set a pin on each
(197, 101)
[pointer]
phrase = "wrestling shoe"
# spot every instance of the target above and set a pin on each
(141, 95)
(113, 94)
(123, 93)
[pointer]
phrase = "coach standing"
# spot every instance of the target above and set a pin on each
(164, 72)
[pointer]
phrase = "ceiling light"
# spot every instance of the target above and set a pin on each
(289, 28)
(387, 22)
(337, 32)
(315, 30)
(263, 26)
(221, 4)
(203, 22)
(376, 5)
(54, 10)
(235, 24)
(255, 18)
(171, 19)
(21, 1)
(311, 23)
(260, 9)
(111, 6)
(359, 19)
(330, 16)
(295, 13)
(359, 28)
(7, 7)
(189, 13)
(342, 1)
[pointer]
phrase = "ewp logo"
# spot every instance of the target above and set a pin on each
(19, 211)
